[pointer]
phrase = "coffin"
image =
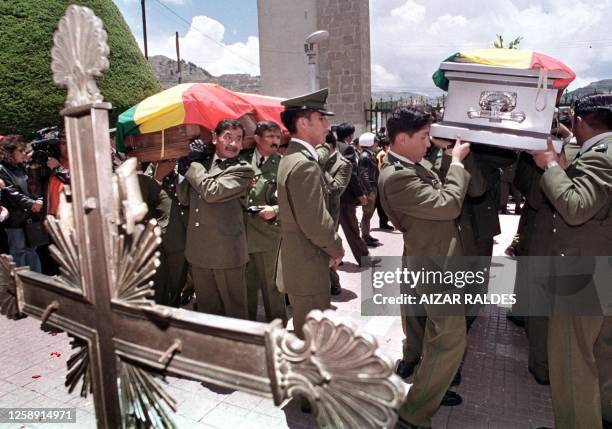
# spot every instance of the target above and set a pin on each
(499, 106)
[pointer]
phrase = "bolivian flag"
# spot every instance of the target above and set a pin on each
(511, 58)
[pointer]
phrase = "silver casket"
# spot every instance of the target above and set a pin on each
(499, 106)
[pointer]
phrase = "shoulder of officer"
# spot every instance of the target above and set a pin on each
(275, 158)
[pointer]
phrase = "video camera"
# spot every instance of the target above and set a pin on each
(46, 145)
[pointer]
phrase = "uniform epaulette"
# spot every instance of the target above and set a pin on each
(398, 166)
(307, 154)
(603, 148)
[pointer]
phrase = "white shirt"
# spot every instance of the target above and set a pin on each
(311, 149)
(594, 140)
(258, 157)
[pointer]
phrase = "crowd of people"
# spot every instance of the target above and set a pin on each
(241, 222)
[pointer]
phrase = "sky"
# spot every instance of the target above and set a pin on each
(408, 38)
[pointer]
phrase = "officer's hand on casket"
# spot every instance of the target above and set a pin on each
(545, 158)
(460, 150)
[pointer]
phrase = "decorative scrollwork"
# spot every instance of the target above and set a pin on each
(65, 251)
(142, 399)
(8, 288)
(349, 382)
(136, 259)
(79, 54)
(78, 367)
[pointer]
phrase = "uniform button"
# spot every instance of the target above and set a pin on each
(196, 224)
(554, 215)
(182, 213)
(554, 229)
(562, 254)
(197, 210)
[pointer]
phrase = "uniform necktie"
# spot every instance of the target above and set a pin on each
(261, 161)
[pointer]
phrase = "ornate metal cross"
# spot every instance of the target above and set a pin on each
(122, 337)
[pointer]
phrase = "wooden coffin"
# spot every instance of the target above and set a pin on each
(171, 143)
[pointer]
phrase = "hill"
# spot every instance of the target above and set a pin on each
(29, 98)
(600, 86)
(166, 71)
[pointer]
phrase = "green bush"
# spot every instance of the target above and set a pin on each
(29, 100)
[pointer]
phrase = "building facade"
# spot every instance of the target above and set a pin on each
(343, 60)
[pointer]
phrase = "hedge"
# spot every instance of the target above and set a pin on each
(29, 100)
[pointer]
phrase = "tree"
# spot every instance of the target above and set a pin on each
(29, 99)
(499, 43)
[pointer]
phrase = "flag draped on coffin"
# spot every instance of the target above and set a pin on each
(203, 104)
(511, 58)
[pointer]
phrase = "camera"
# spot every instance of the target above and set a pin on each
(46, 145)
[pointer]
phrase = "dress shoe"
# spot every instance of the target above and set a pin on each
(369, 237)
(403, 424)
(518, 321)
(187, 297)
(372, 262)
(371, 243)
(543, 381)
(451, 399)
(405, 369)
(287, 300)
(387, 227)
(457, 379)
(336, 290)
(606, 424)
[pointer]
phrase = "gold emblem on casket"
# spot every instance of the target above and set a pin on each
(497, 106)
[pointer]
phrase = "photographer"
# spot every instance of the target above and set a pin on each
(24, 209)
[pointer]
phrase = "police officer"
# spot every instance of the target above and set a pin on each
(580, 346)
(368, 173)
(263, 230)
(216, 247)
(425, 210)
(309, 241)
(337, 171)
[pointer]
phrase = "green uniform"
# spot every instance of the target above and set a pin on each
(263, 239)
(580, 347)
(337, 171)
(308, 234)
(216, 244)
(425, 211)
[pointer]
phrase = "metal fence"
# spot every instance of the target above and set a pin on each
(378, 111)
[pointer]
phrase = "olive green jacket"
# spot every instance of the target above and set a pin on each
(422, 207)
(582, 199)
(308, 233)
(216, 194)
(262, 235)
(337, 174)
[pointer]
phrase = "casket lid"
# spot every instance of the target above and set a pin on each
(503, 71)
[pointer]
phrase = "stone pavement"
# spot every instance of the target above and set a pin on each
(498, 391)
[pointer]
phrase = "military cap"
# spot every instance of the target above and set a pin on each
(313, 101)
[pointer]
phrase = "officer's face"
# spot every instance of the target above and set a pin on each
(317, 127)
(229, 143)
(414, 147)
(268, 143)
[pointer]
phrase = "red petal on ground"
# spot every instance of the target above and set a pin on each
(53, 334)
(36, 376)
(56, 354)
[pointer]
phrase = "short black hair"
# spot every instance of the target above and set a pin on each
(407, 120)
(290, 117)
(228, 124)
(263, 126)
(330, 139)
(596, 110)
(344, 130)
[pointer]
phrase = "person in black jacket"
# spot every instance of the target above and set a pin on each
(368, 175)
(353, 195)
(22, 206)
